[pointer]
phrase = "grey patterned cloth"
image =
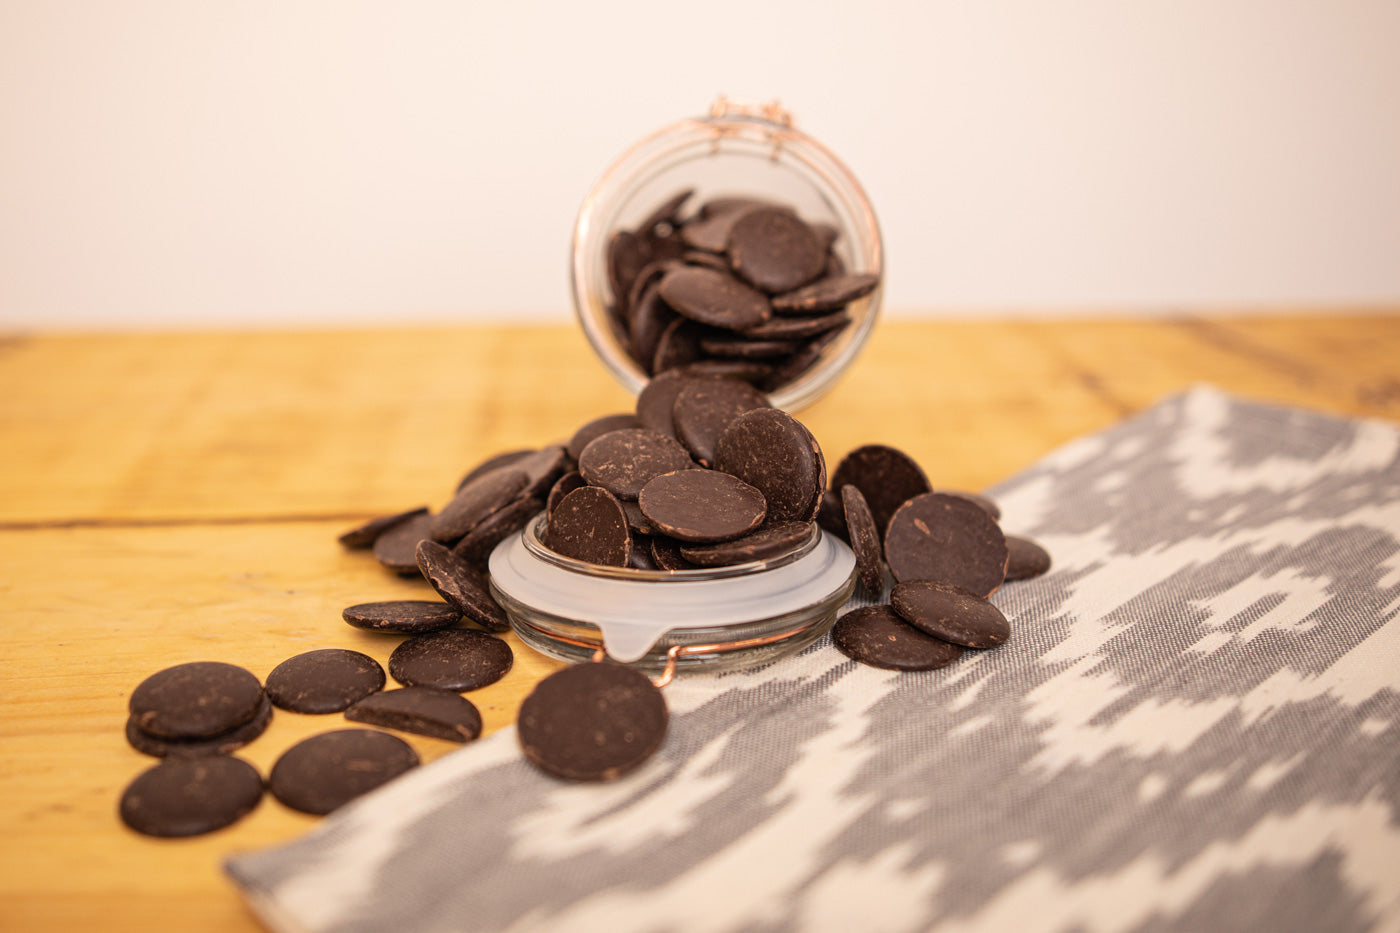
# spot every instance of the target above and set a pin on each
(1194, 726)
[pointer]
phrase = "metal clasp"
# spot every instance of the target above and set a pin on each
(772, 113)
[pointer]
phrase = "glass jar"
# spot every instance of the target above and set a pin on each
(710, 619)
(735, 150)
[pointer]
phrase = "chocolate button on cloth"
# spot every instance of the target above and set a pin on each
(875, 635)
(1026, 558)
(885, 476)
(951, 613)
(946, 539)
(864, 539)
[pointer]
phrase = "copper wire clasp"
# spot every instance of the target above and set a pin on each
(770, 112)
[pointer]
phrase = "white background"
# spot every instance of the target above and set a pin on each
(210, 164)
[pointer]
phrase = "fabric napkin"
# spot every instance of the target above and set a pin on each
(1195, 725)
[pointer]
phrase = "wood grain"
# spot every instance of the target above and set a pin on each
(170, 497)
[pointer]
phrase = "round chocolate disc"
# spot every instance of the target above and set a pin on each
(563, 486)
(622, 462)
(327, 680)
(702, 506)
(864, 538)
(325, 771)
(773, 452)
(475, 501)
(190, 796)
(464, 589)
(950, 613)
(402, 616)
(657, 400)
(1027, 558)
(706, 407)
(796, 328)
(887, 477)
(195, 700)
(946, 539)
(713, 297)
(874, 635)
(476, 545)
(767, 542)
(454, 659)
(832, 515)
(397, 548)
(495, 462)
(219, 744)
(986, 504)
(365, 535)
(597, 428)
(589, 524)
(592, 722)
(826, 294)
(440, 714)
(775, 250)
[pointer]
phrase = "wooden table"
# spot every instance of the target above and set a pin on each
(169, 498)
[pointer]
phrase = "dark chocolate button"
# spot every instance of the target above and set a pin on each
(714, 298)
(476, 545)
(597, 428)
(454, 659)
(220, 744)
(495, 462)
(364, 536)
(864, 539)
(764, 544)
(698, 257)
(622, 462)
(402, 616)
(826, 294)
(874, 635)
(987, 505)
(832, 515)
(797, 365)
(745, 347)
(710, 230)
(657, 400)
(951, 613)
(702, 506)
(773, 452)
(590, 525)
(191, 796)
(397, 548)
(592, 722)
(636, 519)
(887, 477)
(666, 554)
(440, 714)
(679, 345)
(475, 501)
(465, 591)
(775, 250)
(640, 558)
(562, 487)
(704, 408)
(542, 467)
(1027, 558)
(326, 771)
(324, 681)
(646, 322)
(667, 212)
(627, 256)
(946, 539)
(796, 328)
(195, 700)
(751, 371)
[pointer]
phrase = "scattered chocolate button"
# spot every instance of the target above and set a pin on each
(597, 428)
(702, 506)
(714, 298)
(622, 462)
(195, 700)
(773, 249)
(1027, 558)
(422, 711)
(326, 771)
(190, 796)
(220, 744)
(874, 635)
(865, 540)
(887, 477)
(453, 659)
(704, 408)
(475, 501)
(592, 722)
(397, 548)
(764, 544)
(476, 545)
(364, 536)
(495, 462)
(951, 613)
(829, 293)
(773, 452)
(402, 616)
(465, 590)
(327, 680)
(946, 539)
(590, 525)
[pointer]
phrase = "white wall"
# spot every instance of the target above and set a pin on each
(212, 163)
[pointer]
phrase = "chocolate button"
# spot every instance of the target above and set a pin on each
(714, 298)
(402, 616)
(195, 700)
(622, 462)
(454, 659)
(326, 771)
(767, 542)
(475, 501)
(874, 635)
(950, 613)
(1027, 559)
(772, 451)
(773, 249)
(597, 428)
(946, 539)
(864, 538)
(220, 744)
(590, 525)
(422, 711)
(325, 681)
(592, 722)
(191, 796)
(702, 506)
(465, 590)
(706, 407)
(397, 548)
(566, 484)
(364, 535)
(828, 294)
(476, 545)
(657, 400)
(885, 476)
